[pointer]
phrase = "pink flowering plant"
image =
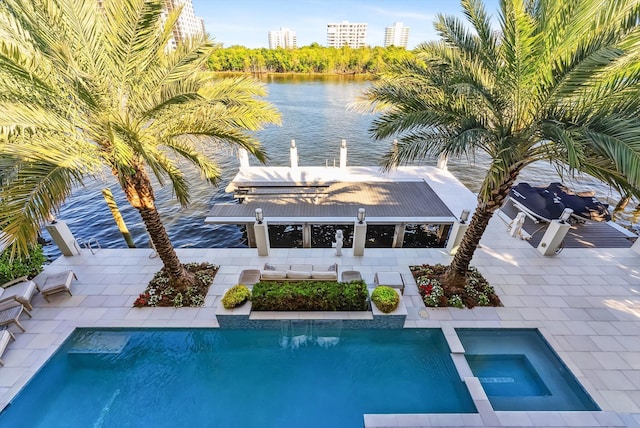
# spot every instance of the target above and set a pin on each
(476, 291)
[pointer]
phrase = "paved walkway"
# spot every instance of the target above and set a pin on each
(585, 302)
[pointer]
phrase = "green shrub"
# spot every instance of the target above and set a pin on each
(310, 296)
(30, 265)
(235, 296)
(385, 298)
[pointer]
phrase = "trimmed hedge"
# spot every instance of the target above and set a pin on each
(310, 296)
(385, 298)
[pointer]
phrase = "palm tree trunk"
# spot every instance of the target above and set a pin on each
(140, 194)
(455, 276)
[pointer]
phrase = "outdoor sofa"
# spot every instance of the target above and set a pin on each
(299, 272)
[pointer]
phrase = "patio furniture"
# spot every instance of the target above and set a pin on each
(299, 272)
(390, 279)
(249, 277)
(18, 292)
(12, 315)
(351, 275)
(57, 283)
(5, 337)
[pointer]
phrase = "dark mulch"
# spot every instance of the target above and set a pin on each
(476, 292)
(160, 293)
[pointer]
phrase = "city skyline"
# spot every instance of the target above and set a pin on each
(248, 22)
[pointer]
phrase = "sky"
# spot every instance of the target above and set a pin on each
(248, 22)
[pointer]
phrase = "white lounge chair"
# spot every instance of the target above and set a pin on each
(18, 292)
(5, 337)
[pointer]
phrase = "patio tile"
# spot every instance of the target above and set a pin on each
(579, 419)
(546, 419)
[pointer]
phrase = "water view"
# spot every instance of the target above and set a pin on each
(315, 113)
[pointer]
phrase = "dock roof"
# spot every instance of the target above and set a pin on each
(332, 195)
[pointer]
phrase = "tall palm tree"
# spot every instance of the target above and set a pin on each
(559, 82)
(84, 89)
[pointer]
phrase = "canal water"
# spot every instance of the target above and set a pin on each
(315, 112)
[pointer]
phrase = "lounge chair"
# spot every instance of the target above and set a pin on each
(5, 337)
(12, 316)
(18, 292)
(57, 283)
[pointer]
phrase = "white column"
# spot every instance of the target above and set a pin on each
(516, 225)
(64, 239)
(398, 235)
(552, 239)
(359, 238)
(262, 237)
(455, 237)
(251, 235)
(306, 235)
(343, 154)
(293, 154)
(243, 157)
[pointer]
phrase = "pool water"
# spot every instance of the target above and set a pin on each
(519, 371)
(299, 376)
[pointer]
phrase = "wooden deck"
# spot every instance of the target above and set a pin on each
(582, 235)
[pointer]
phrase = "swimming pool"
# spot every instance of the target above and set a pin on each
(519, 371)
(303, 375)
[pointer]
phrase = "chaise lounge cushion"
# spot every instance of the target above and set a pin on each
(274, 274)
(17, 292)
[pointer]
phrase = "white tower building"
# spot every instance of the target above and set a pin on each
(398, 35)
(346, 34)
(282, 38)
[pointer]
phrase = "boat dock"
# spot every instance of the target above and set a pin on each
(588, 234)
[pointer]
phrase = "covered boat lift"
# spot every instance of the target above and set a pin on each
(308, 196)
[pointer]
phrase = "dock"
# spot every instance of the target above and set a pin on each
(588, 234)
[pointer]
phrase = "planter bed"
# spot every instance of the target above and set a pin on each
(246, 317)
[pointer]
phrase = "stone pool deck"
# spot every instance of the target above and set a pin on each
(586, 303)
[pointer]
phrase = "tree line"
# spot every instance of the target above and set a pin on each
(307, 59)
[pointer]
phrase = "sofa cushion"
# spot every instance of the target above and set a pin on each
(324, 275)
(273, 274)
(296, 274)
(301, 268)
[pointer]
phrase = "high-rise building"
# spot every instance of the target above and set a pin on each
(398, 35)
(346, 34)
(188, 24)
(282, 38)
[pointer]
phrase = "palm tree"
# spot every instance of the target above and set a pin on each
(88, 90)
(559, 82)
